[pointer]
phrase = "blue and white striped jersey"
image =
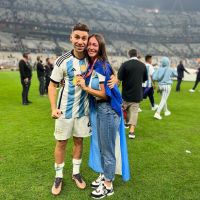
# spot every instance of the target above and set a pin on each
(95, 81)
(72, 100)
(150, 71)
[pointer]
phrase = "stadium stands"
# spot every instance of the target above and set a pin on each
(44, 27)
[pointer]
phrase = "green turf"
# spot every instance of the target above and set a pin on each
(160, 166)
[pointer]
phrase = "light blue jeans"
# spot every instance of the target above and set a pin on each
(107, 127)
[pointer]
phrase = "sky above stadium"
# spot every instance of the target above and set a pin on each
(168, 5)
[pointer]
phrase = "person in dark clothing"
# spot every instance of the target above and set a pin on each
(132, 73)
(180, 71)
(41, 76)
(25, 75)
(197, 81)
(48, 70)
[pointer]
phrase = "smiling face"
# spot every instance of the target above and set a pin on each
(93, 48)
(79, 40)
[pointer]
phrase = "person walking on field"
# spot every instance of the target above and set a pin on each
(197, 81)
(149, 85)
(180, 70)
(164, 76)
(132, 73)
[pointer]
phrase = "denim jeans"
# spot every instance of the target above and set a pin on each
(107, 127)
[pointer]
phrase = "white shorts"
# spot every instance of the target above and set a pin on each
(76, 127)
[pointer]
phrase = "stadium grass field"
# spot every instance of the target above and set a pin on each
(160, 167)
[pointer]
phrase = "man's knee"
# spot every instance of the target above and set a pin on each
(78, 142)
(61, 144)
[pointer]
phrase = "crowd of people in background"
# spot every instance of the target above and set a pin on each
(43, 73)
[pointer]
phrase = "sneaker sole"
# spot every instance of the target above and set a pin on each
(98, 197)
(110, 194)
(157, 118)
(94, 187)
(81, 186)
(56, 191)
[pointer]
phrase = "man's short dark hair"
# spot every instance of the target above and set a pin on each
(132, 53)
(38, 58)
(147, 57)
(25, 54)
(81, 27)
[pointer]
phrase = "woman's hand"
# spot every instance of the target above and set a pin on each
(113, 80)
(81, 82)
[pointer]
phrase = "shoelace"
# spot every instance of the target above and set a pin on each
(100, 187)
(57, 182)
(78, 177)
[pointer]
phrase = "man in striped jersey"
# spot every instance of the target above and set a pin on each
(72, 109)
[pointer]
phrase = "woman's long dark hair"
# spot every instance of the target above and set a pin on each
(102, 54)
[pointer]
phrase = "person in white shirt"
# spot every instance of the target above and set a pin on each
(149, 85)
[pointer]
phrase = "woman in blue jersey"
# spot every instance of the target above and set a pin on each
(105, 109)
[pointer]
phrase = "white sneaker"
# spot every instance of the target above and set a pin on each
(167, 113)
(191, 90)
(131, 135)
(102, 192)
(155, 107)
(139, 110)
(157, 116)
(95, 184)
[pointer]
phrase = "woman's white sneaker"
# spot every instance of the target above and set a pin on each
(102, 192)
(97, 182)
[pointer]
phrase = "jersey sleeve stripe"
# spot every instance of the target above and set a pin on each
(59, 102)
(62, 58)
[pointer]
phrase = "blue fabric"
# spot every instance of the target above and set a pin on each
(95, 83)
(115, 101)
(71, 90)
(114, 95)
(124, 151)
(94, 157)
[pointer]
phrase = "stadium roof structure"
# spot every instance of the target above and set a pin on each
(169, 5)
